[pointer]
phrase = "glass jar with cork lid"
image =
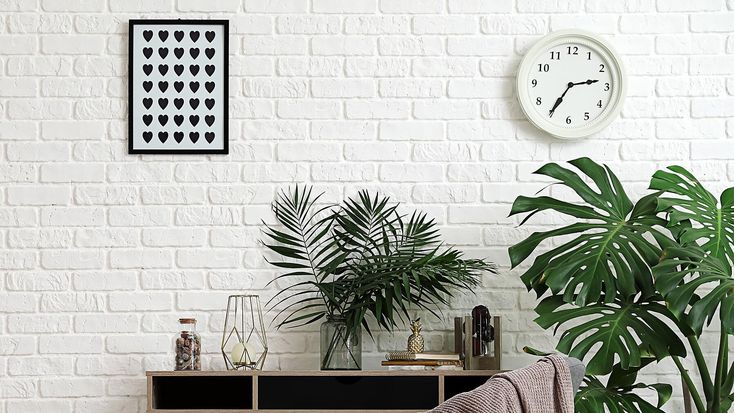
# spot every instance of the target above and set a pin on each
(188, 346)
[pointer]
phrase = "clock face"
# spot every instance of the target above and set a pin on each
(570, 85)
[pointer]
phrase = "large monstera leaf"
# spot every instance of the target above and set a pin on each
(628, 332)
(595, 397)
(610, 256)
(704, 219)
(705, 229)
(703, 272)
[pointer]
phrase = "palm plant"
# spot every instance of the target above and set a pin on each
(358, 258)
(636, 282)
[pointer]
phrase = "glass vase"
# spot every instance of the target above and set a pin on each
(339, 349)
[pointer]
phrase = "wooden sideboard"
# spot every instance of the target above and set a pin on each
(307, 391)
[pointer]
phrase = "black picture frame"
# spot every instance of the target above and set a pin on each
(132, 150)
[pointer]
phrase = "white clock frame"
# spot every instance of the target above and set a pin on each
(600, 46)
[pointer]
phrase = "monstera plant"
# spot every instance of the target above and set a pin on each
(630, 283)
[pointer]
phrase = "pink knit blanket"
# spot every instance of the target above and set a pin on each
(544, 387)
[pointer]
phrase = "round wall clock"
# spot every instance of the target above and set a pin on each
(571, 84)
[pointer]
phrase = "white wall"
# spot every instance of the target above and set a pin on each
(103, 251)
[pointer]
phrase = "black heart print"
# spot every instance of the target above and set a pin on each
(147, 85)
(147, 35)
(178, 103)
(194, 136)
(163, 136)
(178, 136)
(209, 69)
(163, 85)
(147, 136)
(209, 103)
(178, 69)
(209, 119)
(209, 36)
(194, 103)
(178, 52)
(163, 69)
(148, 102)
(162, 102)
(163, 119)
(163, 35)
(147, 69)
(209, 52)
(147, 119)
(194, 52)
(194, 36)
(147, 52)
(194, 119)
(179, 119)
(178, 35)
(194, 69)
(209, 136)
(209, 86)
(194, 86)
(178, 85)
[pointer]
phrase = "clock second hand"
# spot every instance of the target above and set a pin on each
(568, 86)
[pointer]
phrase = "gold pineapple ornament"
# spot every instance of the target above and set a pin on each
(415, 341)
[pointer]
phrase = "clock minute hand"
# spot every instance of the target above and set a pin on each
(586, 82)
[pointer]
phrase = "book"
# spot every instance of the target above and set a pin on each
(422, 363)
(424, 368)
(407, 355)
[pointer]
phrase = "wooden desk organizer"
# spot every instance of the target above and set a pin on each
(463, 345)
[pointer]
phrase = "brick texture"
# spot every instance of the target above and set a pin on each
(101, 252)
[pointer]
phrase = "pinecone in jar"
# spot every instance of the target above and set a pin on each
(188, 351)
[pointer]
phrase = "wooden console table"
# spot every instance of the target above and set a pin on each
(307, 391)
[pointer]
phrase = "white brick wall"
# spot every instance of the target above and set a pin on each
(102, 251)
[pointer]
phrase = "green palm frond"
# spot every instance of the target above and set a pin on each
(302, 244)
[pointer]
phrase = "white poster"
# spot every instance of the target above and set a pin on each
(178, 87)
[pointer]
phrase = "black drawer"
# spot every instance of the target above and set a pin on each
(347, 392)
(202, 392)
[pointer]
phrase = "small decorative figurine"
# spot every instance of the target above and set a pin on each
(415, 341)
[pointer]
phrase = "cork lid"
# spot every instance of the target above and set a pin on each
(187, 320)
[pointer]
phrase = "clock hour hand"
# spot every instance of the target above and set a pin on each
(555, 105)
(560, 99)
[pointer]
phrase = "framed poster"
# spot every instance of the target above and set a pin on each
(178, 87)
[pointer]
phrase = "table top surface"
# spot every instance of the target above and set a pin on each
(325, 373)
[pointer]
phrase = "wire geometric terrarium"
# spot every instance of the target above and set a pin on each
(244, 344)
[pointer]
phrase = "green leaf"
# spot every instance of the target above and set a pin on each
(595, 397)
(686, 271)
(298, 240)
(536, 352)
(714, 220)
(615, 242)
(619, 332)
